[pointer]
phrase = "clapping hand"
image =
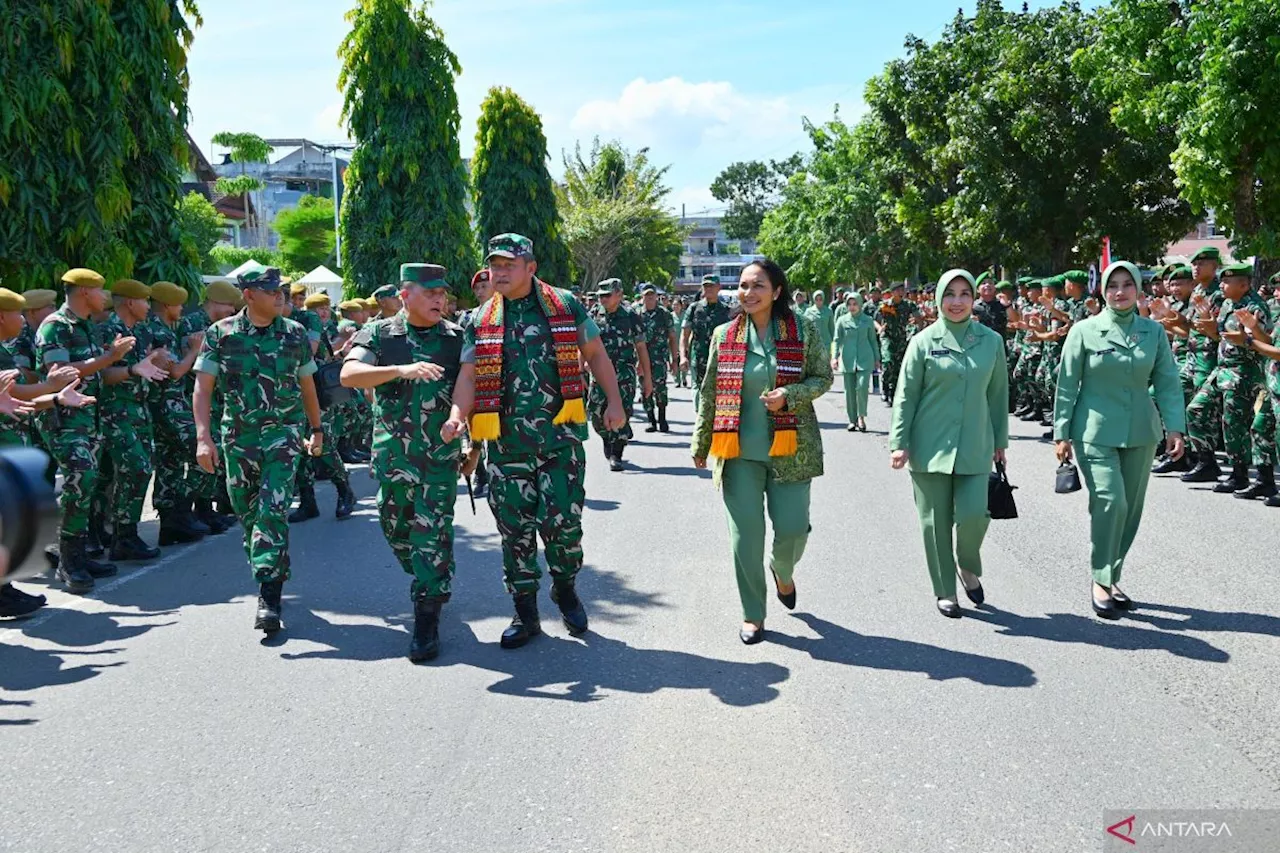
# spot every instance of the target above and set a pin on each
(10, 405)
(149, 370)
(1247, 319)
(71, 397)
(121, 346)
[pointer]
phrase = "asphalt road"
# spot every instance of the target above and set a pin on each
(151, 717)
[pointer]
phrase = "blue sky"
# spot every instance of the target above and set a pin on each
(702, 84)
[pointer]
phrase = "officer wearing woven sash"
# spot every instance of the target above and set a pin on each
(529, 339)
(422, 381)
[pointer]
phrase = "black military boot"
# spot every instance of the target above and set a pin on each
(307, 508)
(268, 616)
(15, 604)
(653, 421)
(52, 556)
(1236, 481)
(175, 530)
(662, 420)
(128, 547)
(1047, 420)
(572, 613)
(188, 515)
(222, 502)
(346, 500)
(1033, 415)
(71, 566)
(211, 518)
(615, 461)
(1274, 500)
(1169, 465)
(98, 538)
(426, 629)
(346, 452)
(1205, 470)
(1263, 487)
(526, 624)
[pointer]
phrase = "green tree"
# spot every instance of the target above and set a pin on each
(751, 189)
(406, 189)
(201, 227)
(307, 236)
(94, 192)
(245, 148)
(513, 189)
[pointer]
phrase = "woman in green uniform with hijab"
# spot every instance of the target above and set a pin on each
(824, 320)
(856, 353)
(950, 422)
(755, 416)
(1107, 418)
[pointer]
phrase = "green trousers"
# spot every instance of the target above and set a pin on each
(540, 495)
(953, 520)
(417, 519)
(747, 486)
(1117, 480)
(261, 469)
(857, 387)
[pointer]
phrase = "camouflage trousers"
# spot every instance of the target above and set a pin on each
(891, 353)
(78, 452)
(129, 446)
(175, 442)
(1029, 389)
(417, 519)
(330, 420)
(597, 403)
(658, 398)
(260, 475)
(1263, 432)
(533, 496)
(360, 419)
(203, 484)
(1225, 401)
(1047, 377)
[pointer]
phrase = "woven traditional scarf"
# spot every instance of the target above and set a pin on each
(485, 423)
(731, 360)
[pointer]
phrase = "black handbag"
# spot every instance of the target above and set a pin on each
(1068, 479)
(1000, 494)
(329, 388)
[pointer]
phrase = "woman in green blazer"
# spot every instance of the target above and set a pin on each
(755, 417)
(824, 319)
(855, 352)
(1105, 413)
(950, 421)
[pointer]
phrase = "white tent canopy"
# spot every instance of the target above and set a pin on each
(324, 280)
(248, 266)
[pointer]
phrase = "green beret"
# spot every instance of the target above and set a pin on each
(222, 291)
(982, 278)
(37, 299)
(422, 274)
(168, 293)
(1035, 284)
(387, 291)
(1024, 280)
(1208, 253)
(10, 301)
(1077, 276)
(510, 246)
(130, 289)
(1005, 285)
(81, 277)
(1055, 281)
(1236, 270)
(315, 300)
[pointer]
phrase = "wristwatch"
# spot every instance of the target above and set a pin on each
(317, 430)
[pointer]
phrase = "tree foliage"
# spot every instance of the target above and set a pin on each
(93, 101)
(512, 186)
(307, 235)
(406, 189)
(615, 224)
(751, 189)
(200, 227)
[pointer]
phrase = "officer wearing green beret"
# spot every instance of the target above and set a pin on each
(1174, 313)
(262, 363)
(660, 341)
(622, 333)
(893, 319)
(696, 327)
(1262, 340)
(422, 378)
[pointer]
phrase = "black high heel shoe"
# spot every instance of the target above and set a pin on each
(788, 600)
(948, 608)
(1121, 601)
(1104, 610)
(750, 638)
(976, 595)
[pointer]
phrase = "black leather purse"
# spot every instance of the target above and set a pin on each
(329, 388)
(1000, 502)
(1068, 479)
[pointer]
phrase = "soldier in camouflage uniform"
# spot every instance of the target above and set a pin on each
(1227, 397)
(660, 341)
(1262, 341)
(310, 318)
(1201, 326)
(414, 362)
(893, 319)
(129, 440)
(262, 363)
(622, 333)
(696, 328)
(1174, 312)
(529, 338)
(175, 430)
(74, 436)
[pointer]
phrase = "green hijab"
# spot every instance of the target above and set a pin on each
(953, 332)
(1124, 317)
(856, 297)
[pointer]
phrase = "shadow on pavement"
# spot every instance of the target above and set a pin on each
(24, 668)
(1194, 619)
(1074, 628)
(843, 646)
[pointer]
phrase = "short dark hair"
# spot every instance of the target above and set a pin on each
(778, 278)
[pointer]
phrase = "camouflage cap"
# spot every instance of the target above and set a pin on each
(130, 288)
(423, 274)
(1275, 279)
(267, 279)
(37, 299)
(168, 293)
(222, 292)
(10, 301)
(1237, 271)
(609, 286)
(711, 279)
(1181, 272)
(1077, 276)
(317, 300)
(896, 285)
(1208, 253)
(81, 277)
(647, 288)
(510, 246)
(387, 291)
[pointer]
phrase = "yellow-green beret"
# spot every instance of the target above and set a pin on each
(168, 293)
(130, 288)
(81, 277)
(315, 300)
(371, 304)
(222, 291)
(37, 299)
(294, 289)
(10, 301)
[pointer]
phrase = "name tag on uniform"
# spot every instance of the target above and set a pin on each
(939, 352)
(1105, 351)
